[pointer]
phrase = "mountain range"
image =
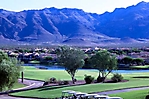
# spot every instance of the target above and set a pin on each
(75, 27)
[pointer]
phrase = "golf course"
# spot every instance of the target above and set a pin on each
(137, 79)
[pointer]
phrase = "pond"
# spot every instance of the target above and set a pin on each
(54, 67)
(130, 71)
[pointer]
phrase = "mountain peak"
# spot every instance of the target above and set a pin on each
(64, 9)
(1, 10)
(142, 3)
(74, 25)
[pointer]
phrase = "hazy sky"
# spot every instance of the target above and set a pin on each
(95, 6)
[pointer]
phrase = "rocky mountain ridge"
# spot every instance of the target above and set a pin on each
(76, 27)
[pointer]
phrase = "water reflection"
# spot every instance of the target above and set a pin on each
(54, 67)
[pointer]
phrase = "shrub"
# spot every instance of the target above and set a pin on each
(75, 80)
(88, 79)
(100, 79)
(147, 97)
(117, 77)
(45, 83)
(63, 82)
(52, 80)
(66, 82)
(48, 58)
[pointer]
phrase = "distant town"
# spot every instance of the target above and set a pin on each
(126, 57)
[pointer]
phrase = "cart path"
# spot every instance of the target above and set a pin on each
(10, 97)
(122, 90)
(30, 84)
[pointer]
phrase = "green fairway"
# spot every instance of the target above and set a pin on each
(51, 92)
(34, 62)
(38, 74)
(140, 67)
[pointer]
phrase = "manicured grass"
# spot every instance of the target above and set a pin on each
(34, 62)
(18, 85)
(38, 74)
(139, 94)
(140, 67)
(56, 92)
(51, 92)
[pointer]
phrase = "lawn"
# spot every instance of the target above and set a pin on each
(18, 85)
(34, 62)
(140, 67)
(38, 74)
(51, 92)
(139, 94)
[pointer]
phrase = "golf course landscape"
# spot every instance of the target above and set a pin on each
(81, 49)
(138, 79)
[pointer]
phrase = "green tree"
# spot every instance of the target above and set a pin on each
(127, 60)
(138, 61)
(9, 71)
(72, 59)
(48, 58)
(3, 56)
(104, 62)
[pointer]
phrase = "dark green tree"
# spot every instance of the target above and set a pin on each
(138, 61)
(9, 71)
(3, 56)
(104, 62)
(48, 58)
(72, 59)
(127, 60)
